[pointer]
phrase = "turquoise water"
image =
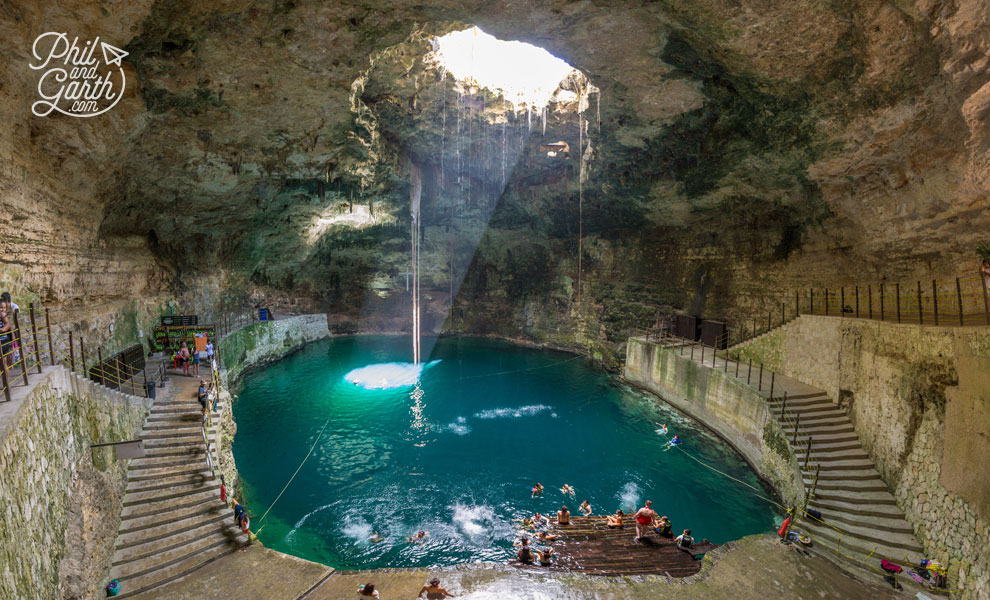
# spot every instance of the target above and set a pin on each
(459, 462)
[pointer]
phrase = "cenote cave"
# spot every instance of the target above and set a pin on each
(597, 300)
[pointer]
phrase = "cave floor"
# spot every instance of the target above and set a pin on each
(755, 567)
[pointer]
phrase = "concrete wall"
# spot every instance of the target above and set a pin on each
(252, 346)
(920, 401)
(729, 407)
(60, 501)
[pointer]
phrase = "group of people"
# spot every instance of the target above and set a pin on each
(647, 521)
(7, 309)
(432, 589)
(190, 359)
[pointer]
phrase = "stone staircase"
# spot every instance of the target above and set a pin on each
(861, 518)
(172, 521)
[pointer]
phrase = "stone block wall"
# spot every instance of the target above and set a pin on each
(60, 500)
(735, 411)
(919, 397)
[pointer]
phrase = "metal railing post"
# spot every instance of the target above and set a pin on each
(826, 302)
(72, 356)
(811, 299)
(750, 373)
(869, 300)
(760, 386)
(82, 355)
(51, 346)
(692, 350)
(881, 303)
(857, 301)
(897, 290)
(19, 339)
(959, 298)
(37, 346)
(807, 453)
(797, 425)
(737, 367)
(935, 300)
(986, 299)
(702, 354)
(100, 367)
(797, 304)
(842, 301)
(6, 381)
(771, 384)
(921, 316)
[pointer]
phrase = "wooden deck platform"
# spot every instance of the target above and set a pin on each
(588, 546)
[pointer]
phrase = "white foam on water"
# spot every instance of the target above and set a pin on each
(629, 497)
(473, 520)
(512, 413)
(357, 529)
(459, 428)
(387, 376)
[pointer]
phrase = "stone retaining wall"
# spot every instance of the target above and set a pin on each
(919, 398)
(249, 347)
(724, 404)
(60, 501)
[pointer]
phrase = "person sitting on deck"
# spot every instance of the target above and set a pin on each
(368, 589)
(525, 553)
(434, 591)
(537, 489)
(615, 521)
(644, 518)
(663, 527)
(545, 556)
(563, 516)
(585, 508)
(685, 542)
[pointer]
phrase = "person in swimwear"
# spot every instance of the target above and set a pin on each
(567, 489)
(540, 521)
(644, 518)
(615, 521)
(563, 516)
(585, 508)
(546, 556)
(674, 441)
(545, 537)
(418, 537)
(525, 553)
(434, 591)
(663, 429)
(537, 489)
(663, 527)
(375, 537)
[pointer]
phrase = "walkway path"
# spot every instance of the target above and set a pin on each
(860, 517)
(172, 521)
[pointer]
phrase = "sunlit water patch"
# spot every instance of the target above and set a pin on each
(457, 454)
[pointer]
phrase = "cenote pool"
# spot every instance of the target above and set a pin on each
(457, 456)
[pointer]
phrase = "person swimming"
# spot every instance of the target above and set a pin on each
(419, 537)
(674, 441)
(537, 489)
(567, 489)
(662, 430)
(375, 538)
(585, 509)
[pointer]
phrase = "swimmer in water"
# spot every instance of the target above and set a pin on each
(567, 489)
(419, 537)
(376, 538)
(585, 508)
(663, 429)
(674, 441)
(537, 489)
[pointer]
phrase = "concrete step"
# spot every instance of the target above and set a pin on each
(825, 438)
(833, 455)
(807, 400)
(159, 523)
(171, 471)
(903, 541)
(852, 508)
(186, 449)
(171, 425)
(142, 583)
(158, 462)
(879, 525)
(812, 412)
(176, 491)
(170, 433)
(856, 496)
(153, 551)
(806, 430)
(849, 463)
(212, 518)
(167, 442)
(862, 485)
(193, 417)
(159, 483)
(869, 552)
(833, 446)
(151, 508)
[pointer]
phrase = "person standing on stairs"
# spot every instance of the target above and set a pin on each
(223, 491)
